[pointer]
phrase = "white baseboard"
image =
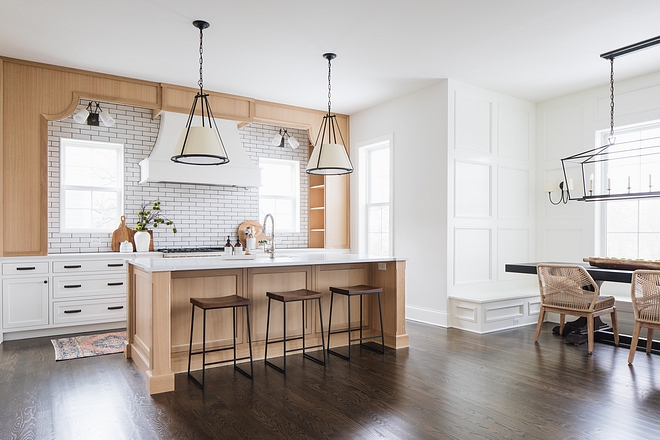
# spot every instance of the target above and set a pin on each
(427, 316)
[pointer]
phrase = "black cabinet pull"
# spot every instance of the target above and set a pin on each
(115, 307)
(73, 311)
(115, 264)
(115, 284)
(75, 266)
(72, 286)
(26, 268)
(45, 281)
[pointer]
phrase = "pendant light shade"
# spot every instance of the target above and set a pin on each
(329, 156)
(201, 145)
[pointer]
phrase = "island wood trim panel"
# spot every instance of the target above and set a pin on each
(31, 94)
(158, 315)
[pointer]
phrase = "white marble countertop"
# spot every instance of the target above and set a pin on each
(282, 258)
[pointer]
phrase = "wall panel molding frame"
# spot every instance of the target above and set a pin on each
(473, 123)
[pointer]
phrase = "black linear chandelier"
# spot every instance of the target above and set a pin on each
(635, 155)
(329, 155)
(201, 145)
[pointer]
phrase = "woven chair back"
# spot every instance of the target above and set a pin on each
(645, 295)
(567, 286)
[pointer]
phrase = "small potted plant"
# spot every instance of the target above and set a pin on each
(147, 219)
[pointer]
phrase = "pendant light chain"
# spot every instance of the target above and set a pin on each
(329, 86)
(611, 136)
(201, 61)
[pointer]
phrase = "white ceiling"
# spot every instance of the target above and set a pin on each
(271, 50)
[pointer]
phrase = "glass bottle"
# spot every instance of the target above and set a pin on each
(229, 248)
(238, 247)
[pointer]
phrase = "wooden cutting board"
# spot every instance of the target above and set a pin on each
(121, 234)
(256, 227)
(611, 263)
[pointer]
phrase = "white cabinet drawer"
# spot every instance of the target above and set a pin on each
(96, 310)
(73, 266)
(79, 286)
(28, 268)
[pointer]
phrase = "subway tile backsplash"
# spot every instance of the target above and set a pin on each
(204, 215)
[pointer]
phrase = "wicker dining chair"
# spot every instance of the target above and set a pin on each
(570, 290)
(645, 296)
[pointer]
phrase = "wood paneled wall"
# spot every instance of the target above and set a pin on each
(31, 94)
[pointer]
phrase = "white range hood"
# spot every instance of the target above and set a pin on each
(240, 171)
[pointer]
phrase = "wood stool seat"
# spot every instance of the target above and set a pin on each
(287, 297)
(221, 302)
(360, 290)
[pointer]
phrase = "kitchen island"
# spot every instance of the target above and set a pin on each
(159, 292)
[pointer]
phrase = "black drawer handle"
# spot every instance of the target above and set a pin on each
(115, 284)
(26, 268)
(72, 286)
(73, 311)
(115, 307)
(115, 264)
(76, 266)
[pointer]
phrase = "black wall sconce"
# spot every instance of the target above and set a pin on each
(92, 114)
(563, 191)
(283, 135)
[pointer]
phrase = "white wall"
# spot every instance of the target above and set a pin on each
(464, 173)
(418, 122)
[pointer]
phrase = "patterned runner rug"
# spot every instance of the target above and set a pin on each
(89, 345)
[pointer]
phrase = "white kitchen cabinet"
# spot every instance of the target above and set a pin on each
(59, 294)
(24, 302)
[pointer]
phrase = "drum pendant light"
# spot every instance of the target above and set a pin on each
(201, 145)
(329, 156)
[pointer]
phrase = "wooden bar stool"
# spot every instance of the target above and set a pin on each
(223, 302)
(361, 291)
(287, 297)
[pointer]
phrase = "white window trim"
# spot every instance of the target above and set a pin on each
(600, 229)
(362, 148)
(295, 165)
(63, 187)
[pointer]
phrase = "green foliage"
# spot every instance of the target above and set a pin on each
(151, 218)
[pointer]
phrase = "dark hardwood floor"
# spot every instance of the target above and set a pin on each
(448, 384)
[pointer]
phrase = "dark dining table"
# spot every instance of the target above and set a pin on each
(599, 274)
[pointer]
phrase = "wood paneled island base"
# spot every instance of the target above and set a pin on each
(159, 292)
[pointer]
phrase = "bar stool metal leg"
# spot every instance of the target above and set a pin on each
(332, 297)
(192, 325)
(267, 328)
(247, 312)
(331, 351)
(360, 291)
(204, 351)
(322, 339)
(236, 367)
(300, 295)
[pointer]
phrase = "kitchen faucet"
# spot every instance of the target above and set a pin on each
(271, 251)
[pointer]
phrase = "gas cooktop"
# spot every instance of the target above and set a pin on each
(192, 251)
